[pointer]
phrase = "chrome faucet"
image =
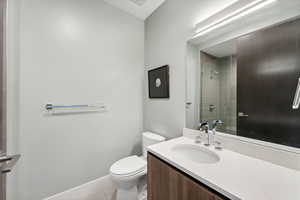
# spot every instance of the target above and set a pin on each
(205, 127)
(216, 123)
(202, 127)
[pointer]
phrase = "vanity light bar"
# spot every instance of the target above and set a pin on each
(244, 10)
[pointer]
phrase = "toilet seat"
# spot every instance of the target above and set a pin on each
(129, 166)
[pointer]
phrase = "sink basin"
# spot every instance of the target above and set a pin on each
(195, 153)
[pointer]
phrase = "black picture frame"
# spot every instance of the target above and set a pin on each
(158, 83)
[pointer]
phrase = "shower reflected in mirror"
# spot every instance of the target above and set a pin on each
(250, 83)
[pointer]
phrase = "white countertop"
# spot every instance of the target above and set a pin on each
(236, 176)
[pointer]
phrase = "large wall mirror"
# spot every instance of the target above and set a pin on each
(252, 84)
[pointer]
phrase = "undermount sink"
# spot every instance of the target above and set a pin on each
(196, 153)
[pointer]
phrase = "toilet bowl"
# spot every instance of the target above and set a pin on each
(127, 172)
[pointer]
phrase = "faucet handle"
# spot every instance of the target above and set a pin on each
(218, 121)
(201, 124)
(205, 125)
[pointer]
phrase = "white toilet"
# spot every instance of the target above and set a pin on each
(127, 172)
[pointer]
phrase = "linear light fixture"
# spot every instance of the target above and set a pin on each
(245, 7)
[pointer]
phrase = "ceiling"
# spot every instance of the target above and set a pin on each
(224, 49)
(138, 8)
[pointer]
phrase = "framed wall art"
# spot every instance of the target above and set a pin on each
(158, 82)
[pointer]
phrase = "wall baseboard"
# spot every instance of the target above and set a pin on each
(99, 189)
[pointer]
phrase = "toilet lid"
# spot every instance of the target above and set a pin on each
(128, 165)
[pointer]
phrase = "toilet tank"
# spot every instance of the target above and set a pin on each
(150, 139)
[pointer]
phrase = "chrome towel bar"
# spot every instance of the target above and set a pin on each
(75, 108)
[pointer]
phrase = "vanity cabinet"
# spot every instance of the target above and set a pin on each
(168, 183)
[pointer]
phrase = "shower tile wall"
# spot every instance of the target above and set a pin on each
(218, 89)
(228, 102)
(209, 88)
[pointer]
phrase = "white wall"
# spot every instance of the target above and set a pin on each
(167, 31)
(76, 52)
(193, 74)
(12, 92)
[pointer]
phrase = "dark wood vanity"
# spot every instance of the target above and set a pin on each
(168, 183)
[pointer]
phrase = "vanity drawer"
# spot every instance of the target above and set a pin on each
(168, 183)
